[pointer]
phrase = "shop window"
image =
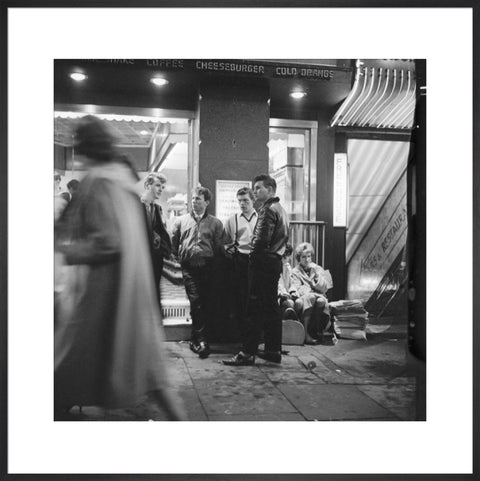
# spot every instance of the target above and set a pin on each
(175, 169)
(151, 142)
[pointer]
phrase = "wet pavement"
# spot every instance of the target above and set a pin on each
(355, 380)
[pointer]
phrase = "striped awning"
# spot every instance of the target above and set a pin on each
(381, 98)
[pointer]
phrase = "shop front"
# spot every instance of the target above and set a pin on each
(219, 123)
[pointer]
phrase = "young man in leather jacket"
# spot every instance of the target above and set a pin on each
(265, 265)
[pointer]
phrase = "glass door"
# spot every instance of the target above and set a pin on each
(292, 163)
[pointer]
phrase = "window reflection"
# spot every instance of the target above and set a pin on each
(288, 164)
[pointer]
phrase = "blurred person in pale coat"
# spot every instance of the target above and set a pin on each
(108, 333)
(59, 201)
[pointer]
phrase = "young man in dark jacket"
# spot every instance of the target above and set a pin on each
(160, 243)
(197, 238)
(265, 265)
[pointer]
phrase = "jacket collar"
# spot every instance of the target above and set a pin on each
(194, 217)
(146, 201)
(271, 201)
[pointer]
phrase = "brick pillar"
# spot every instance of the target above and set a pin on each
(234, 132)
(234, 122)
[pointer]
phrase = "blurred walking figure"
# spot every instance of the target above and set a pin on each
(59, 201)
(108, 337)
(72, 187)
(160, 243)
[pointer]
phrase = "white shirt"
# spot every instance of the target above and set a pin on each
(240, 228)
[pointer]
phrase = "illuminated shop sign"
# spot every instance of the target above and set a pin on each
(229, 66)
(305, 72)
(340, 191)
(239, 67)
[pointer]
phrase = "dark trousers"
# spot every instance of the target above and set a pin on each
(198, 281)
(157, 261)
(263, 311)
(240, 289)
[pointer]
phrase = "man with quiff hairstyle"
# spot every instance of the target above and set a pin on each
(265, 265)
(160, 243)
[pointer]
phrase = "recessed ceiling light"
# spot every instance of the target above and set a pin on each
(298, 94)
(78, 76)
(144, 132)
(159, 81)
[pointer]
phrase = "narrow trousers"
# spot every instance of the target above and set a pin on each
(198, 282)
(263, 311)
(240, 290)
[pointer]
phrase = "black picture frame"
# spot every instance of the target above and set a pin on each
(5, 6)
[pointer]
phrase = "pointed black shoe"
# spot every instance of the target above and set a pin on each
(272, 356)
(194, 347)
(203, 350)
(240, 359)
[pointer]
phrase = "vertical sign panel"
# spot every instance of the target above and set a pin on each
(340, 191)
(226, 197)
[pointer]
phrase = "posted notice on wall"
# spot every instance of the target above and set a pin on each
(340, 191)
(226, 203)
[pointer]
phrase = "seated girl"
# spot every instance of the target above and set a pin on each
(308, 285)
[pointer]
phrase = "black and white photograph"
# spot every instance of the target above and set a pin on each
(235, 239)
(257, 259)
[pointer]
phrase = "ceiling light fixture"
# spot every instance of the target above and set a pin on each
(144, 132)
(78, 76)
(297, 94)
(159, 81)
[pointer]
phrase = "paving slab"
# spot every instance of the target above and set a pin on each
(177, 348)
(293, 377)
(388, 419)
(179, 374)
(259, 417)
(384, 358)
(148, 409)
(403, 380)
(192, 404)
(288, 363)
(399, 399)
(143, 411)
(294, 350)
(326, 402)
(237, 397)
(250, 374)
(342, 377)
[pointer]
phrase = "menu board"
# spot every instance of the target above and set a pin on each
(226, 203)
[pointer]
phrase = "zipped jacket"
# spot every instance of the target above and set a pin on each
(196, 242)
